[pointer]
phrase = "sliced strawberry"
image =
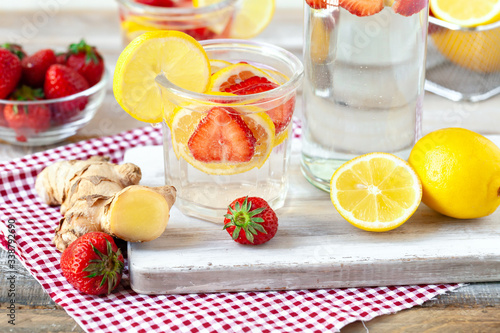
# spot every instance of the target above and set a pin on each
(166, 3)
(157, 3)
(362, 7)
(281, 115)
(320, 4)
(222, 136)
(409, 7)
(252, 85)
(35, 66)
(200, 33)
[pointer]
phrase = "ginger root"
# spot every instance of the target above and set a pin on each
(96, 195)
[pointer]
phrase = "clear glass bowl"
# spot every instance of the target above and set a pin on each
(463, 64)
(206, 187)
(67, 115)
(201, 23)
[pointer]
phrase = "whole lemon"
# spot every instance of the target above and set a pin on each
(460, 172)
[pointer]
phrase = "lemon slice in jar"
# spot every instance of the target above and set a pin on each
(251, 18)
(186, 121)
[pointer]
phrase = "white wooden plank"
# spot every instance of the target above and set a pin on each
(315, 248)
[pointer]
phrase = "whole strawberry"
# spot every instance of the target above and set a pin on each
(93, 264)
(62, 81)
(10, 72)
(36, 116)
(250, 220)
(35, 66)
(61, 58)
(15, 49)
(86, 60)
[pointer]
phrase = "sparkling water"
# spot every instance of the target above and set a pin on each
(363, 87)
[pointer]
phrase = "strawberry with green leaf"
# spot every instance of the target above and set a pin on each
(35, 117)
(93, 263)
(86, 60)
(250, 220)
(16, 49)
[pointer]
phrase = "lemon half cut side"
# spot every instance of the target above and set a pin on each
(376, 191)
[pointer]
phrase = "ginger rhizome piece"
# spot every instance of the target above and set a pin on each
(96, 195)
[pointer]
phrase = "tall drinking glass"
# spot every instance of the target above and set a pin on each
(364, 82)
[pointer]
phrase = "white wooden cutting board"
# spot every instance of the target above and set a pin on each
(314, 248)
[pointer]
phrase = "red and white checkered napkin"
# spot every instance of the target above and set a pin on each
(126, 311)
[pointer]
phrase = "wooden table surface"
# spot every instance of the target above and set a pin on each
(473, 308)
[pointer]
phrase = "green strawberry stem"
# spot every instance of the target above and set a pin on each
(242, 217)
(107, 265)
(82, 46)
(26, 93)
(14, 48)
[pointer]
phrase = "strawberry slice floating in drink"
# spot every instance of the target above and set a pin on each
(362, 7)
(222, 136)
(408, 7)
(245, 79)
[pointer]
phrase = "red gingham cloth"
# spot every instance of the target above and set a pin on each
(126, 311)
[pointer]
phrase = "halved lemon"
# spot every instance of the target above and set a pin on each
(185, 121)
(250, 19)
(175, 54)
(466, 13)
(234, 74)
(376, 191)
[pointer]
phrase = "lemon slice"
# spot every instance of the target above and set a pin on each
(179, 56)
(216, 65)
(233, 74)
(466, 13)
(376, 191)
(250, 19)
(201, 106)
(278, 77)
(135, 27)
(185, 121)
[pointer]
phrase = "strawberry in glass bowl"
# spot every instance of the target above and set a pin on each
(45, 97)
